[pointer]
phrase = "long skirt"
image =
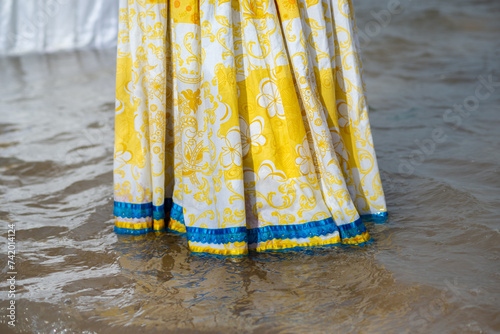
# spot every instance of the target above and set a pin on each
(243, 125)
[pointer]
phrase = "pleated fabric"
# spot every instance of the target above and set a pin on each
(243, 125)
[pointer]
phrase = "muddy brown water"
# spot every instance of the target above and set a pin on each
(434, 266)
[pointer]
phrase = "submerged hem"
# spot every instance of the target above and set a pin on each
(239, 241)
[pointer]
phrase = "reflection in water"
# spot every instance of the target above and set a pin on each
(273, 292)
(434, 266)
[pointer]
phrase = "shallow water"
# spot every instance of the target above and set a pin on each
(434, 265)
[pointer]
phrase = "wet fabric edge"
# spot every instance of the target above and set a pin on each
(261, 239)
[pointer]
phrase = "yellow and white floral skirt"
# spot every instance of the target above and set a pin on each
(243, 124)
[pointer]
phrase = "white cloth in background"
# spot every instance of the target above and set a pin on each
(35, 26)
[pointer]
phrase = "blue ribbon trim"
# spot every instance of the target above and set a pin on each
(131, 210)
(217, 236)
(121, 230)
(177, 213)
(237, 234)
(352, 229)
(295, 231)
(379, 217)
(142, 210)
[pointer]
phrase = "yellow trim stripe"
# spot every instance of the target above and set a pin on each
(156, 225)
(176, 226)
(287, 243)
(217, 251)
(133, 226)
(363, 237)
(279, 244)
(159, 224)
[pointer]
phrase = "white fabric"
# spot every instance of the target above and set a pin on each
(28, 26)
